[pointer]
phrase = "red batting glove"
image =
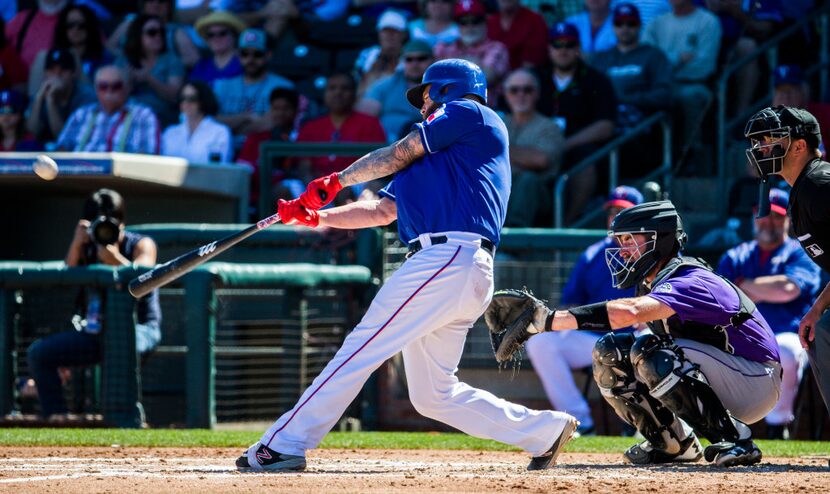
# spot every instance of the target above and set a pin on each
(293, 213)
(320, 192)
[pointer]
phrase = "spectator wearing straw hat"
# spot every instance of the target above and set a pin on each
(220, 31)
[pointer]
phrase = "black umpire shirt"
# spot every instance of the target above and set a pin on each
(588, 98)
(810, 211)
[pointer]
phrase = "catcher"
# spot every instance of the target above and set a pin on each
(710, 367)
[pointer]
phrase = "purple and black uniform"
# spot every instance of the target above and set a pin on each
(740, 361)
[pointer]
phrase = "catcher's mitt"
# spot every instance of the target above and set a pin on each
(510, 320)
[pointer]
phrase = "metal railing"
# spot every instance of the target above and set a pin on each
(611, 149)
(270, 150)
(770, 49)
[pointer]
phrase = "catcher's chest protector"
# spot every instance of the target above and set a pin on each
(709, 334)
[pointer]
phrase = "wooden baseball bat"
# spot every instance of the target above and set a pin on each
(172, 270)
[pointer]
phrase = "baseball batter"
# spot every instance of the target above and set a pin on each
(449, 196)
(711, 366)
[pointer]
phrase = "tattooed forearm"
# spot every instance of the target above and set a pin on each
(384, 161)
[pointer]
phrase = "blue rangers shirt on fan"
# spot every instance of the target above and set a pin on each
(463, 182)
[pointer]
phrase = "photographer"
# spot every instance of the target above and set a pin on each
(99, 238)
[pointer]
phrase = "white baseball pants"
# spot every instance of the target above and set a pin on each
(425, 310)
(793, 361)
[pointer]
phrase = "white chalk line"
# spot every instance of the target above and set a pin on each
(150, 468)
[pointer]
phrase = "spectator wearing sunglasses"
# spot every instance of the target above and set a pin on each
(596, 32)
(178, 38)
(220, 30)
(536, 146)
(436, 25)
(199, 138)
(156, 73)
(386, 99)
(474, 45)
(641, 76)
(244, 100)
(79, 34)
(113, 124)
(582, 102)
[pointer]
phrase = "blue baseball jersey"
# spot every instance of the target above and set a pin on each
(745, 261)
(463, 182)
(591, 281)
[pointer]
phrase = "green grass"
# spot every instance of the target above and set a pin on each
(357, 440)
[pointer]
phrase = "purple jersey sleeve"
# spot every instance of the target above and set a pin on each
(700, 296)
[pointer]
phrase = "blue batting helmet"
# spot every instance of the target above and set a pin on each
(451, 79)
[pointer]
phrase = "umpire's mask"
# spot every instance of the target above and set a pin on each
(769, 141)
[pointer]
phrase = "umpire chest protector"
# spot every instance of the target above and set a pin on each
(709, 334)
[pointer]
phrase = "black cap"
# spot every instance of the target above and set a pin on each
(802, 124)
(62, 58)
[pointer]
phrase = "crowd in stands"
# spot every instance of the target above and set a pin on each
(211, 80)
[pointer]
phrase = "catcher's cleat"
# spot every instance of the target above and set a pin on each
(548, 459)
(259, 458)
(645, 454)
(727, 454)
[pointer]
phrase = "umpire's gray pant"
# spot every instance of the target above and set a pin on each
(819, 354)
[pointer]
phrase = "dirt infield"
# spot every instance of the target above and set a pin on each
(116, 469)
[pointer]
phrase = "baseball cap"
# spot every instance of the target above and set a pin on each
(60, 57)
(392, 19)
(623, 196)
(469, 8)
(626, 12)
(778, 201)
(416, 46)
(12, 101)
(563, 31)
(802, 124)
(253, 38)
(788, 74)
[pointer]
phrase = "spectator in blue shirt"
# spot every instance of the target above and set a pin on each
(775, 272)
(220, 31)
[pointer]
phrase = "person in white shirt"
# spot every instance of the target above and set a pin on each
(199, 138)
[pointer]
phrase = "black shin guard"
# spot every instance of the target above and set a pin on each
(682, 388)
(630, 399)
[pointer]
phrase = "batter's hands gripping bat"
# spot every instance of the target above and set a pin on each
(171, 270)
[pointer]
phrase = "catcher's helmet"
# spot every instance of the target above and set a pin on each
(657, 220)
(778, 123)
(451, 79)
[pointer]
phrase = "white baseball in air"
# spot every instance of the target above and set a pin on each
(45, 167)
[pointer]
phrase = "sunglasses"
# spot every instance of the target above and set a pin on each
(190, 98)
(521, 90)
(76, 25)
(470, 21)
(421, 58)
(626, 24)
(569, 45)
(217, 33)
(112, 87)
(152, 32)
(251, 54)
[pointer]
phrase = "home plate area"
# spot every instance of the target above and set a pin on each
(199, 470)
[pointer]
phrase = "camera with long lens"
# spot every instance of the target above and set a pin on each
(105, 230)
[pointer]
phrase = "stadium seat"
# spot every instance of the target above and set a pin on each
(312, 87)
(344, 59)
(353, 31)
(299, 60)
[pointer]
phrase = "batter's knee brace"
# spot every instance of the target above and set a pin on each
(681, 387)
(630, 399)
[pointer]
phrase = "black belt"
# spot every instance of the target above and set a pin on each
(415, 245)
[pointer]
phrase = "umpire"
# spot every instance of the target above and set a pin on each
(785, 141)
